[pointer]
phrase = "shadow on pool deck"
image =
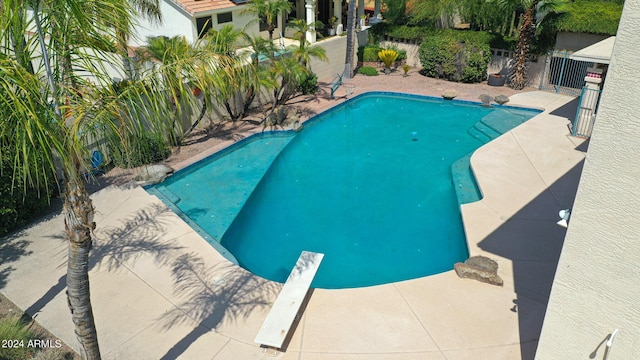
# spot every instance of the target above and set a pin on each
(533, 244)
(212, 295)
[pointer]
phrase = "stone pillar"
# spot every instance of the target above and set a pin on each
(588, 102)
(337, 10)
(310, 5)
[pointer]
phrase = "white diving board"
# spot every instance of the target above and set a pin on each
(276, 326)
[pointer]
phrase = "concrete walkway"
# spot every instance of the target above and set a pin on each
(161, 292)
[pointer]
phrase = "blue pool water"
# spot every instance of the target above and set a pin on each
(375, 184)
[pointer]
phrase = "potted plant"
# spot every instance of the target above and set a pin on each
(332, 24)
(363, 21)
(496, 80)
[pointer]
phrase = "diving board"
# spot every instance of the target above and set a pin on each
(276, 326)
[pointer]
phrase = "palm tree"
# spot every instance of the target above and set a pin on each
(236, 86)
(49, 114)
(303, 52)
(175, 81)
(288, 73)
(527, 31)
(268, 11)
(34, 131)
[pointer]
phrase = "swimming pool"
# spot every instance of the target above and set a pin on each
(370, 183)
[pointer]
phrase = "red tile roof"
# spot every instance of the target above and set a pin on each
(197, 6)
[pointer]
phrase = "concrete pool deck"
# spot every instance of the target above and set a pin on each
(161, 292)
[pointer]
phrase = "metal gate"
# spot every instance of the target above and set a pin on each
(563, 75)
(586, 113)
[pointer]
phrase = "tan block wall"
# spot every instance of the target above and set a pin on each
(336, 49)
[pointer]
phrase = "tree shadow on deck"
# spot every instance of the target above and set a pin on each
(215, 295)
(137, 236)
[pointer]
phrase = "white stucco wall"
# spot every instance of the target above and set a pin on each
(175, 21)
(597, 286)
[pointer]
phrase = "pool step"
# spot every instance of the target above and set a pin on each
(464, 181)
(503, 120)
(479, 135)
(486, 130)
(169, 195)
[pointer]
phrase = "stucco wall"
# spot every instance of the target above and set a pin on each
(175, 21)
(336, 49)
(597, 288)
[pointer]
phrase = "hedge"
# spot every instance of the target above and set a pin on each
(593, 17)
(461, 56)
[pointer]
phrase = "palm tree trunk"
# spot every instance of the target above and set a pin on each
(78, 221)
(519, 77)
(351, 33)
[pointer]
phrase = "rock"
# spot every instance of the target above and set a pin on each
(501, 99)
(293, 121)
(153, 174)
(479, 268)
(486, 99)
(449, 94)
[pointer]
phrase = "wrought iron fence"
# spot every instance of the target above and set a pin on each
(562, 74)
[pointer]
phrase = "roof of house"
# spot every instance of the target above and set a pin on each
(194, 7)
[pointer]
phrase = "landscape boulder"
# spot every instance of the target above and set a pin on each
(479, 268)
(153, 174)
(501, 99)
(449, 94)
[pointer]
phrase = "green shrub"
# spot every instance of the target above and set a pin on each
(368, 71)
(18, 205)
(370, 53)
(141, 149)
(461, 56)
(309, 84)
(402, 55)
(17, 333)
